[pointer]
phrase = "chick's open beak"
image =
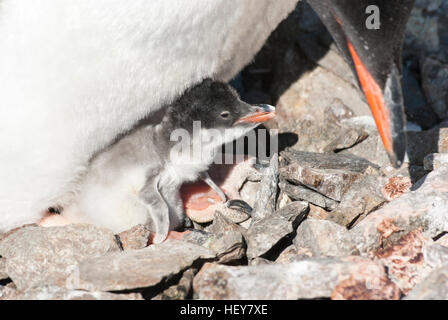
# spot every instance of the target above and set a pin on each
(259, 114)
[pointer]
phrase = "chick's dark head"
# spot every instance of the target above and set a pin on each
(214, 104)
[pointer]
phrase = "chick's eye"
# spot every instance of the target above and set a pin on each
(225, 114)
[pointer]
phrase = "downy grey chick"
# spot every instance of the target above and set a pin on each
(137, 179)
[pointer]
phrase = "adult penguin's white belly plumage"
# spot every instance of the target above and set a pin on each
(74, 74)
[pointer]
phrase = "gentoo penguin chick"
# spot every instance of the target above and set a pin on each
(137, 179)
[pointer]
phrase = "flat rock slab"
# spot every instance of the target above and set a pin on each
(425, 208)
(223, 237)
(433, 287)
(435, 255)
(46, 256)
(327, 161)
(138, 268)
(302, 193)
(181, 290)
(54, 293)
(228, 241)
(3, 274)
(306, 279)
(328, 174)
(265, 199)
(324, 238)
(363, 196)
(372, 148)
(264, 234)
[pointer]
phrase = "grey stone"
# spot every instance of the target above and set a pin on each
(328, 174)
(318, 213)
(223, 237)
(338, 111)
(135, 238)
(264, 234)
(10, 232)
(234, 215)
(3, 274)
(228, 242)
(248, 191)
(372, 148)
(436, 255)
(312, 93)
(303, 193)
(324, 135)
(433, 287)
(142, 268)
(324, 239)
(435, 161)
(46, 256)
(424, 208)
(294, 210)
(181, 290)
(306, 279)
(283, 199)
(292, 254)
(265, 200)
(347, 138)
(363, 196)
(327, 161)
(197, 237)
(260, 262)
(55, 293)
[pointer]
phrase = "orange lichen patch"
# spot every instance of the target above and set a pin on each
(396, 186)
(374, 98)
(360, 289)
(410, 245)
(367, 280)
(386, 228)
(404, 260)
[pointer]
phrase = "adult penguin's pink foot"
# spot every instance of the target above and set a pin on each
(173, 235)
(53, 220)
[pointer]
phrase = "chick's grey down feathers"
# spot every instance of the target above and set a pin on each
(137, 179)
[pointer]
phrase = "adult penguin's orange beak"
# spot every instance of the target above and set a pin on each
(374, 53)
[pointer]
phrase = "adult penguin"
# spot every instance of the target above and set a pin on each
(75, 74)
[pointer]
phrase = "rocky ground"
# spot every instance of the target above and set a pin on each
(331, 218)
